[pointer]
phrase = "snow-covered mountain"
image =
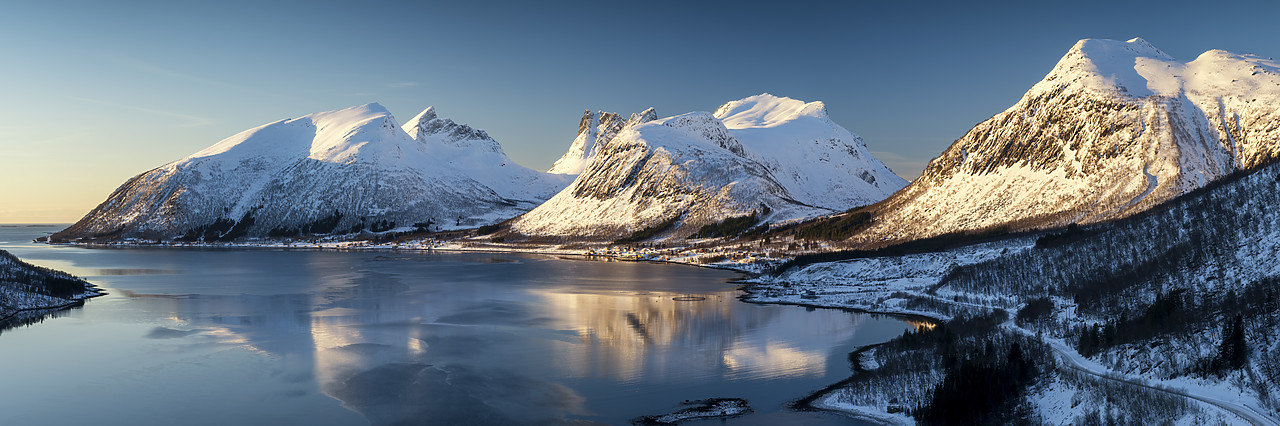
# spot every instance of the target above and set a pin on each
(779, 158)
(329, 172)
(1115, 128)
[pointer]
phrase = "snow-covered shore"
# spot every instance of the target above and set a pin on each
(909, 285)
(28, 291)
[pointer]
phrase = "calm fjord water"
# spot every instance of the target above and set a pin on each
(323, 337)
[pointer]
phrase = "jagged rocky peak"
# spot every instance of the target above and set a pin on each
(588, 121)
(428, 127)
(425, 116)
(642, 117)
(427, 123)
(594, 130)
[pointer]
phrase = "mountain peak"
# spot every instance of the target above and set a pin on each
(1098, 49)
(594, 130)
(424, 116)
(1132, 68)
(373, 108)
(766, 110)
(588, 120)
(642, 117)
(427, 124)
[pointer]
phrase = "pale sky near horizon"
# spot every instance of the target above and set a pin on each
(93, 93)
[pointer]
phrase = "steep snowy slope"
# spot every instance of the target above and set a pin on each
(791, 162)
(328, 172)
(1114, 129)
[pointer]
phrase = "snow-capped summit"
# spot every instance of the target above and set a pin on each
(808, 153)
(777, 158)
(1115, 128)
(332, 137)
(331, 172)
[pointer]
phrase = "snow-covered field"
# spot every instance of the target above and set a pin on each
(894, 284)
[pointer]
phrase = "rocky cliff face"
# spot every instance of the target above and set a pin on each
(1115, 128)
(594, 131)
(330, 172)
(764, 155)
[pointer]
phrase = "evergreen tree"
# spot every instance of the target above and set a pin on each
(1233, 353)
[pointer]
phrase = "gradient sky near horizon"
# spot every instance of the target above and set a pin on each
(92, 93)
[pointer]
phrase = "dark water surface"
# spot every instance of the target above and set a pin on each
(322, 337)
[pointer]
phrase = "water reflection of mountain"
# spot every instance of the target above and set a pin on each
(408, 341)
(369, 346)
(655, 337)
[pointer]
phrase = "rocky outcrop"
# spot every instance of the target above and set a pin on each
(594, 130)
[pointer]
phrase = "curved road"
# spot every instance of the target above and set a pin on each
(1247, 413)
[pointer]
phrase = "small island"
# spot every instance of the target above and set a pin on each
(702, 409)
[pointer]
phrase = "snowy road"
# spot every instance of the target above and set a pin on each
(1075, 361)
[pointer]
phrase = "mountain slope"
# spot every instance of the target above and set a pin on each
(329, 172)
(1166, 286)
(1115, 128)
(693, 169)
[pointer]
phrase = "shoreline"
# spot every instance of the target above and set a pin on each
(95, 292)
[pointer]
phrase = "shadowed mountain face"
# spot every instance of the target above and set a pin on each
(777, 158)
(1114, 129)
(330, 172)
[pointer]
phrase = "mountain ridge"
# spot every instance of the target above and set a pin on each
(691, 170)
(1115, 128)
(330, 172)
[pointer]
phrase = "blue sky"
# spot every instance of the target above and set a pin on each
(96, 92)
